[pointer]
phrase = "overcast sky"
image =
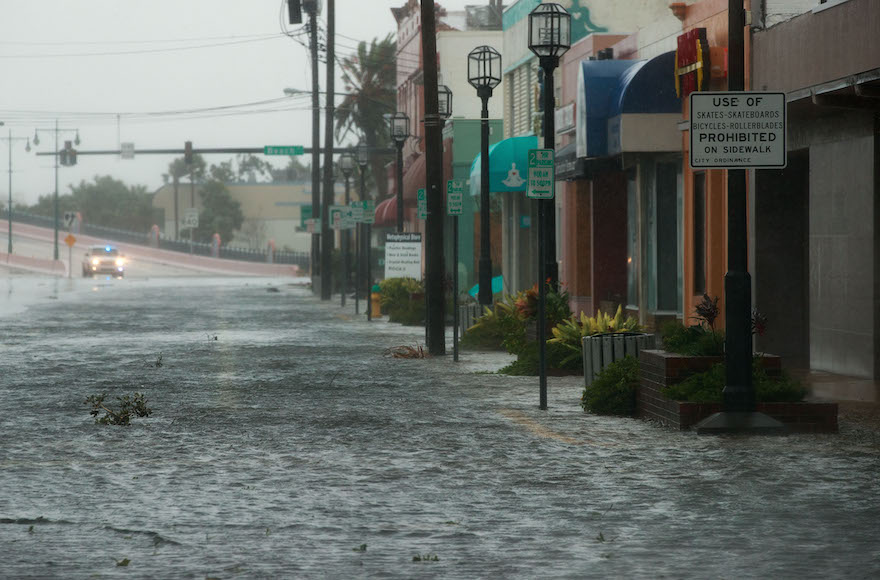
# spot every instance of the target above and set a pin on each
(100, 66)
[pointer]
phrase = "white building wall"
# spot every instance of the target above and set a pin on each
(453, 47)
(777, 11)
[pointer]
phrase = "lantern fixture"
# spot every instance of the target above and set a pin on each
(484, 69)
(444, 101)
(399, 127)
(363, 154)
(549, 30)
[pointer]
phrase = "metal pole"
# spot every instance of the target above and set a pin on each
(435, 302)
(369, 253)
(545, 255)
(316, 145)
(485, 293)
(357, 267)
(738, 394)
(455, 288)
(9, 207)
(327, 237)
(345, 239)
(359, 244)
(56, 190)
(399, 186)
(551, 267)
(176, 209)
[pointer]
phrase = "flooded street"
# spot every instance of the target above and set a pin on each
(284, 444)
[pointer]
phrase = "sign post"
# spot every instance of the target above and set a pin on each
(191, 221)
(454, 207)
(542, 180)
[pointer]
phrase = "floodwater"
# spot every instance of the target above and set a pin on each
(284, 444)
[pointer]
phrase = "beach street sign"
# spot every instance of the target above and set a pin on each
(454, 197)
(737, 130)
(288, 150)
(542, 174)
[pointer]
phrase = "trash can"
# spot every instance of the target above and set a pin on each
(375, 302)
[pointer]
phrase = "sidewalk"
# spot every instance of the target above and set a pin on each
(858, 400)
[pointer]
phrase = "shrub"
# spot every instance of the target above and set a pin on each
(128, 406)
(526, 364)
(707, 387)
(495, 326)
(397, 300)
(692, 340)
(613, 392)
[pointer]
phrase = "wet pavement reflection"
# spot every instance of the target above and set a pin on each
(284, 444)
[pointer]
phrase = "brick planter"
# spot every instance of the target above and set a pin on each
(658, 369)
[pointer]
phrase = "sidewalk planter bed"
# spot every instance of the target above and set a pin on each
(467, 316)
(659, 369)
(601, 350)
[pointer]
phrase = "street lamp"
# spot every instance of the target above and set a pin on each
(399, 133)
(76, 141)
(363, 159)
(484, 74)
(444, 102)
(549, 38)
(346, 165)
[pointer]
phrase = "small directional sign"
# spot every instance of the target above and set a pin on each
(70, 240)
(369, 211)
(542, 174)
(69, 218)
(454, 197)
(288, 150)
(423, 205)
(357, 212)
(126, 150)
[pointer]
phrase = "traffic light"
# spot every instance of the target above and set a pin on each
(188, 152)
(67, 156)
(294, 11)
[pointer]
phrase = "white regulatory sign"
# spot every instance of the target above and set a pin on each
(190, 218)
(737, 130)
(126, 150)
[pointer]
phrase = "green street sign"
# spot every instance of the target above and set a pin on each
(305, 214)
(423, 205)
(283, 150)
(542, 174)
(369, 211)
(454, 197)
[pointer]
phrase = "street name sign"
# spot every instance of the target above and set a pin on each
(288, 150)
(737, 130)
(423, 205)
(403, 255)
(454, 197)
(542, 174)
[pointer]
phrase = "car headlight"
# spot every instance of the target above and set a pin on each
(120, 261)
(95, 261)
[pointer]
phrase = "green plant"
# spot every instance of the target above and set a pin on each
(526, 364)
(556, 304)
(128, 406)
(499, 327)
(707, 387)
(397, 300)
(613, 391)
(426, 558)
(692, 340)
(570, 332)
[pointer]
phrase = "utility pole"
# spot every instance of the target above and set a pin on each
(56, 130)
(311, 7)
(326, 236)
(435, 316)
(9, 140)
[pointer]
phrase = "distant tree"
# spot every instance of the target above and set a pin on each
(295, 171)
(179, 168)
(220, 213)
(105, 202)
(370, 77)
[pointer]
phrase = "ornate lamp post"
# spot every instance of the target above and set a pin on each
(484, 74)
(346, 165)
(76, 141)
(9, 140)
(363, 159)
(399, 134)
(549, 38)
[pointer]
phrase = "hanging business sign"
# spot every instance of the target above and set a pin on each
(737, 130)
(403, 255)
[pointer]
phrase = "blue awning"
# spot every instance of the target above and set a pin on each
(508, 165)
(617, 102)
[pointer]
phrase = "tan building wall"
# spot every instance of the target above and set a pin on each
(271, 212)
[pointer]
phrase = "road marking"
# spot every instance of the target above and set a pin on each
(541, 431)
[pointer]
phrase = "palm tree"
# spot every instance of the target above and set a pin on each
(370, 80)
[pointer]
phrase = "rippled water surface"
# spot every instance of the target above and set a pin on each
(284, 444)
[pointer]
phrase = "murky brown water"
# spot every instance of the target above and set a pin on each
(286, 444)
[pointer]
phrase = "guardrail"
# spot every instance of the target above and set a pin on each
(300, 259)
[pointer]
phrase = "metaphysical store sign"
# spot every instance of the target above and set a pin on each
(403, 255)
